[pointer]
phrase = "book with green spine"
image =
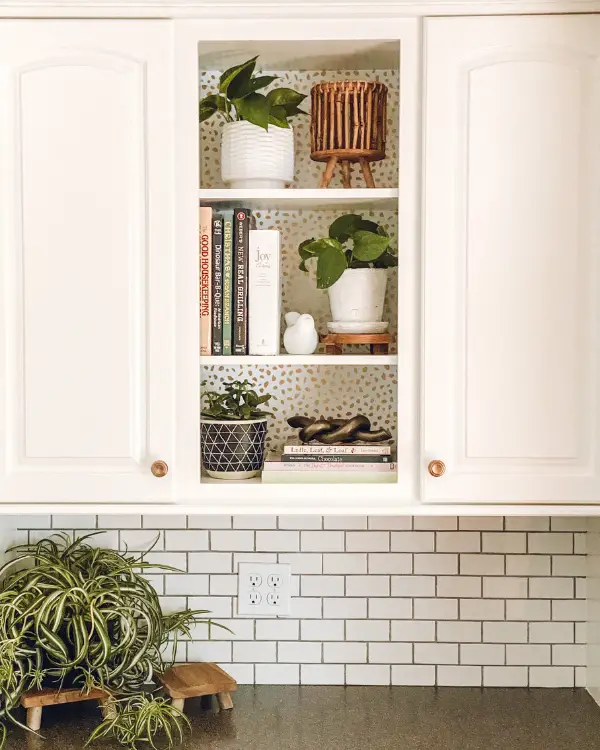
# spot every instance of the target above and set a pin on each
(227, 279)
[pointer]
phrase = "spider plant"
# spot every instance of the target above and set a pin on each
(82, 616)
(141, 718)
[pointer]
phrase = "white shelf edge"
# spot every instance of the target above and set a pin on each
(214, 506)
(304, 197)
(371, 360)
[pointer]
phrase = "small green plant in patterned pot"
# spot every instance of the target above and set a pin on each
(233, 431)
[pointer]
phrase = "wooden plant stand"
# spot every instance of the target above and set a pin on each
(35, 700)
(379, 343)
(348, 122)
(193, 680)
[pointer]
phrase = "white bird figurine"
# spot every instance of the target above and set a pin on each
(300, 336)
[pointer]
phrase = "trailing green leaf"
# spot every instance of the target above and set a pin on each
(277, 116)
(233, 79)
(253, 84)
(369, 249)
(344, 226)
(253, 108)
(142, 719)
(286, 98)
(330, 266)
(368, 246)
(237, 99)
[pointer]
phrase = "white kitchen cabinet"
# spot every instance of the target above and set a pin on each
(511, 257)
(86, 254)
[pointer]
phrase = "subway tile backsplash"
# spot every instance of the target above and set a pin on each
(376, 601)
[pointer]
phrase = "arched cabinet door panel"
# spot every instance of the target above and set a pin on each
(511, 259)
(86, 298)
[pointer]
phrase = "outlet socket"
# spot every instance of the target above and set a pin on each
(264, 589)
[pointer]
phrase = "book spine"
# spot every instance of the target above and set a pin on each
(338, 450)
(240, 281)
(264, 291)
(227, 280)
(329, 459)
(324, 467)
(205, 280)
(217, 285)
(328, 477)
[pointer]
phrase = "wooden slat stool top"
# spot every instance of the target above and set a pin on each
(193, 680)
(35, 700)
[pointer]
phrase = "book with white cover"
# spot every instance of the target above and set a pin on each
(318, 466)
(358, 449)
(264, 291)
(328, 477)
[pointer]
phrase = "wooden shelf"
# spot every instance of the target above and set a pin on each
(291, 199)
(304, 359)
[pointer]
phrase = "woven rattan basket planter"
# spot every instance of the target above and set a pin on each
(348, 124)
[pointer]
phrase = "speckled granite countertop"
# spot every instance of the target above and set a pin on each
(361, 718)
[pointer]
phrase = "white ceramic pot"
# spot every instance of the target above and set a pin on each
(252, 157)
(358, 295)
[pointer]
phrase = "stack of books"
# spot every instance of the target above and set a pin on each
(240, 285)
(351, 463)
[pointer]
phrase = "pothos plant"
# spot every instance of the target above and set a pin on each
(238, 98)
(353, 242)
(82, 616)
(239, 401)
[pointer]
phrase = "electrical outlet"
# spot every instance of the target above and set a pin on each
(264, 589)
(275, 580)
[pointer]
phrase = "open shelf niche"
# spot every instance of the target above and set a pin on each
(314, 385)
(299, 65)
(312, 391)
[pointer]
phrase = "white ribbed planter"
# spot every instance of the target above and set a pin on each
(252, 157)
(358, 295)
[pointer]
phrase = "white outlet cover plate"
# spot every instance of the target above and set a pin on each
(264, 589)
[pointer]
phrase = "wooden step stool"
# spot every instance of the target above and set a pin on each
(35, 700)
(193, 680)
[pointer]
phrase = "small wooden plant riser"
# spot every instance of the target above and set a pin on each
(195, 680)
(378, 343)
(181, 682)
(34, 701)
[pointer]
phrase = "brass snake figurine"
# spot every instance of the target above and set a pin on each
(331, 431)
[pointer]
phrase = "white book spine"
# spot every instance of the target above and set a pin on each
(316, 449)
(264, 292)
(325, 468)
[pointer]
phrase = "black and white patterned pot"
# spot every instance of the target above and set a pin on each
(233, 449)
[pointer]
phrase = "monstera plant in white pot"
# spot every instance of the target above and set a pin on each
(352, 263)
(257, 145)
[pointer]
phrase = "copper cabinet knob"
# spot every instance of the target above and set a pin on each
(436, 468)
(159, 469)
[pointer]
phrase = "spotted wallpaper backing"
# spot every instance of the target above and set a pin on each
(299, 290)
(307, 173)
(314, 391)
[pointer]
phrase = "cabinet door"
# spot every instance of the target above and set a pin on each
(512, 246)
(86, 295)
